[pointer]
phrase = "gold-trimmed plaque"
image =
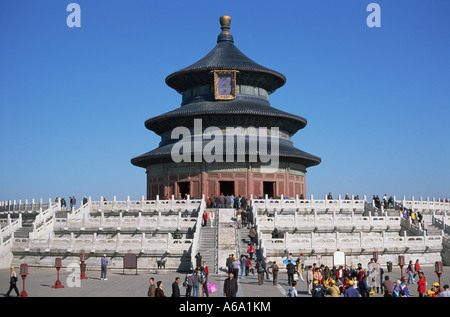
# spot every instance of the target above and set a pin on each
(224, 84)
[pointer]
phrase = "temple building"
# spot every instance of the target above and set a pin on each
(225, 137)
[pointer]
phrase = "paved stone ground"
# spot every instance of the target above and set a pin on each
(39, 283)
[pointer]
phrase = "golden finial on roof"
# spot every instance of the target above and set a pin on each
(225, 21)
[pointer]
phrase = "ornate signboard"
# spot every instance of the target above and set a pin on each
(224, 84)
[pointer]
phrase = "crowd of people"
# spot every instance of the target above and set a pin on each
(226, 201)
(72, 202)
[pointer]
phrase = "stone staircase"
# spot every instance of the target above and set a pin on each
(208, 244)
(27, 227)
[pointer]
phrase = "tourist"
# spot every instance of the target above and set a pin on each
(236, 265)
(379, 282)
(266, 266)
(309, 279)
(260, 270)
(63, 204)
(388, 286)
(425, 227)
(229, 263)
(421, 285)
(13, 281)
(397, 289)
(244, 203)
(249, 218)
(416, 268)
(189, 283)
(371, 280)
(159, 289)
(239, 219)
(404, 287)
(363, 288)
(198, 259)
(176, 287)
(318, 290)
(244, 217)
(231, 201)
(211, 217)
(103, 267)
(317, 275)
(252, 235)
(221, 201)
(290, 268)
(333, 290)
(251, 250)
(204, 218)
(248, 267)
(242, 261)
(206, 269)
(350, 291)
(275, 269)
(410, 272)
(436, 289)
(151, 288)
(196, 283)
(204, 282)
(340, 274)
(230, 286)
(300, 267)
(85, 200)
(445, 292)
(329, 196)
(293, 290)
(361, 273)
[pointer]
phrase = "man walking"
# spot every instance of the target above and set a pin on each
(13, 281)
(230, 286)
(260, 270)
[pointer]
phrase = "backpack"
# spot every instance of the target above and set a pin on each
(317, 292)
(202, 278)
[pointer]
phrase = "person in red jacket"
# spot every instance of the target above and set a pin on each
(422, 285)
(416, 268)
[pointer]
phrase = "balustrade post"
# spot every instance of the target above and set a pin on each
(118, 241)
(71, 240)
(139, 224)
(94, 242)
(361, 239)
(143, 241)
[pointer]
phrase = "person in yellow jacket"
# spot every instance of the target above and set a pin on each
(332, 289)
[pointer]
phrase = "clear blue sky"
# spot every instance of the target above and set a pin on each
(73, 101)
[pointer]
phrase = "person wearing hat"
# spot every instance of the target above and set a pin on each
(351, 291)
(436, 289)
(13, 281)
(333, 290)
(318, 289)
